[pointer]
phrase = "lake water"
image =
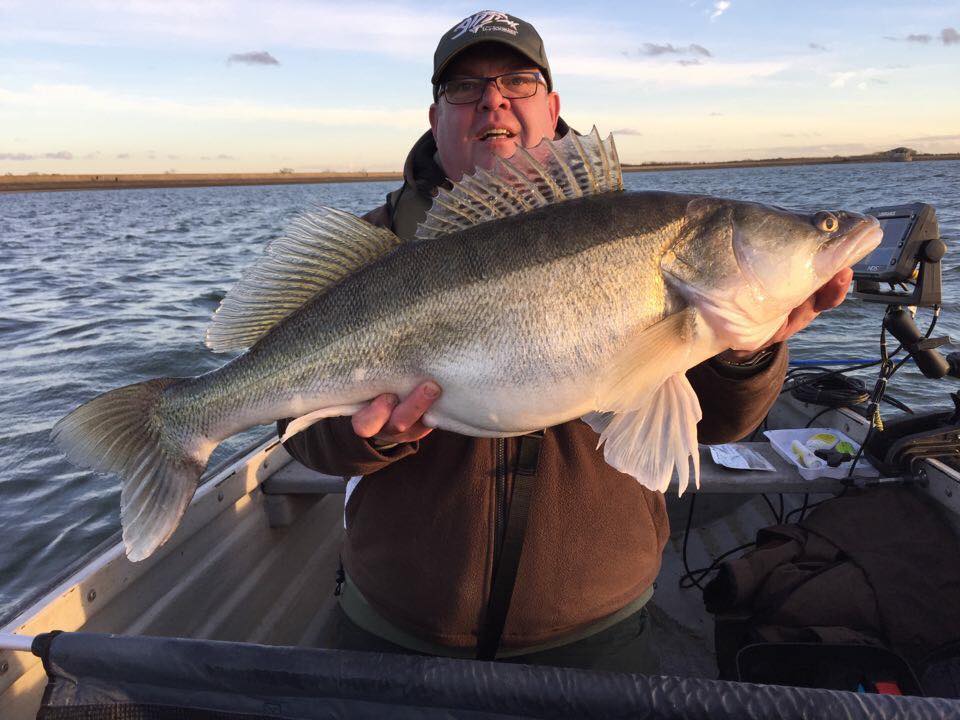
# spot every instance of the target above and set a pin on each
(103, 288)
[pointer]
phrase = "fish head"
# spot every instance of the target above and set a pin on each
(747, 265)
(787, 255)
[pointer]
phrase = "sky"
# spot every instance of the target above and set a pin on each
(126, 86)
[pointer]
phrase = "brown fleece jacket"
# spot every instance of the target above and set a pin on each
(420, 525)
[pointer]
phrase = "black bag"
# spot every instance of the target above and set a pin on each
(874, 570)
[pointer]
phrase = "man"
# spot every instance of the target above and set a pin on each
(424, 527)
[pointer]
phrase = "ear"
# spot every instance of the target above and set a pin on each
(553, 105)
(432, 114)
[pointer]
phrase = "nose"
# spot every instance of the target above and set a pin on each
(492, 98)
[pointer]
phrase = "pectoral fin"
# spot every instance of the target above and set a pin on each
(648, 442)
(649, 358)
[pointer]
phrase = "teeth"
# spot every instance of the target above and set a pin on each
(497, 133)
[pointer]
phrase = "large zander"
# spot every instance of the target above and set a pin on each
(536, 293)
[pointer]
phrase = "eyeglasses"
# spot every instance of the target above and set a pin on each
(512, 85)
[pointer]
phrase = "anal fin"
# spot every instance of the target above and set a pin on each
(652, 440)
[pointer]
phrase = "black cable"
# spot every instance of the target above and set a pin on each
(692, 578)
(819, 386)
(832, 390)
(813, 419)
(773, 510)
(887, 370)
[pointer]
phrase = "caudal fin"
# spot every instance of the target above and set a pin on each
(121, 432)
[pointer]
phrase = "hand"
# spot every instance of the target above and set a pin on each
(387, 421)
(828, 296)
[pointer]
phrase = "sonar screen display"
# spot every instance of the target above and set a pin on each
(887, 253)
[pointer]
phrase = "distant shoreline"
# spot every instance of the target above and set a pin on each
(119, 181)
(57, 182)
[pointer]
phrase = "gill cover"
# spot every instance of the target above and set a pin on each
(704, 266)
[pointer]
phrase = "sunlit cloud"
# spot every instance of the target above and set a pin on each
(59, 155)
(719, 8)
(74, 99)
(858, 78)
(380, 28)
(712, 74)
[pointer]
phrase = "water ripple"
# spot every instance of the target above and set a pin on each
(100, 289)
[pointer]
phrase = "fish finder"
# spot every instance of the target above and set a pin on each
(909, 253)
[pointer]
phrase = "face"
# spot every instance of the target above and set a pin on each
(463, 132)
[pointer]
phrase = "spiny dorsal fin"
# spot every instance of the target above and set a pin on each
(553, 171)
(319, 250)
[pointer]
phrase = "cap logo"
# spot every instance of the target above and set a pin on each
(485, 21)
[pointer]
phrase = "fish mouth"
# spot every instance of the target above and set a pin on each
(850, 247)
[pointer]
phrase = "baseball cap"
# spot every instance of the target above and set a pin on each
(490, 26)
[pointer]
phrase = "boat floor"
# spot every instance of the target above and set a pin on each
(683, 629)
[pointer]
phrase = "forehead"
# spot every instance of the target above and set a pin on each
(488, 59)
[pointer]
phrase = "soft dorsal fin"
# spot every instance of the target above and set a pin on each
(553, 171)
(317, 251)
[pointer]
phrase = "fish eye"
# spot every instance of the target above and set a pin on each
(826, 221)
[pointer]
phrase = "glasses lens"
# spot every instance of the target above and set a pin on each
(518, 85)
(511, 85)
(463, 90)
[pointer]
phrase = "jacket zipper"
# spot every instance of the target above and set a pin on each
(501, 500)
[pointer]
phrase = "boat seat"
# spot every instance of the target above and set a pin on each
(715, 479)
(294, 486)
(296, 479)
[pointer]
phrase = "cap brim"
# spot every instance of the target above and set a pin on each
(438, 73)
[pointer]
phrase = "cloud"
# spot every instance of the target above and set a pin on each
(654, 50)
(714, 74)
(381, 28)
(719, 8)
(859, 78)
(221, 156)
(73, 100)
(123, 156)
(627, 131)
(816, 46)
(59, 155)
(948, 36)
(716, 114)
(934, 138)
(687, 63)
(253, 58)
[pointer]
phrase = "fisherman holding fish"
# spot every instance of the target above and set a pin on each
(425, 526)
(464, 352)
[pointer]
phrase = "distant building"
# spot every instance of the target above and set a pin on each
(901, 154)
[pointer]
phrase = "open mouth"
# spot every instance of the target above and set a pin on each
(495, 134)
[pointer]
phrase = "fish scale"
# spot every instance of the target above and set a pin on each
(538, 292)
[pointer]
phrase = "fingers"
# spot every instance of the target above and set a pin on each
(833, 292)
(371, 419)
(386, 419)
(409, 412)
